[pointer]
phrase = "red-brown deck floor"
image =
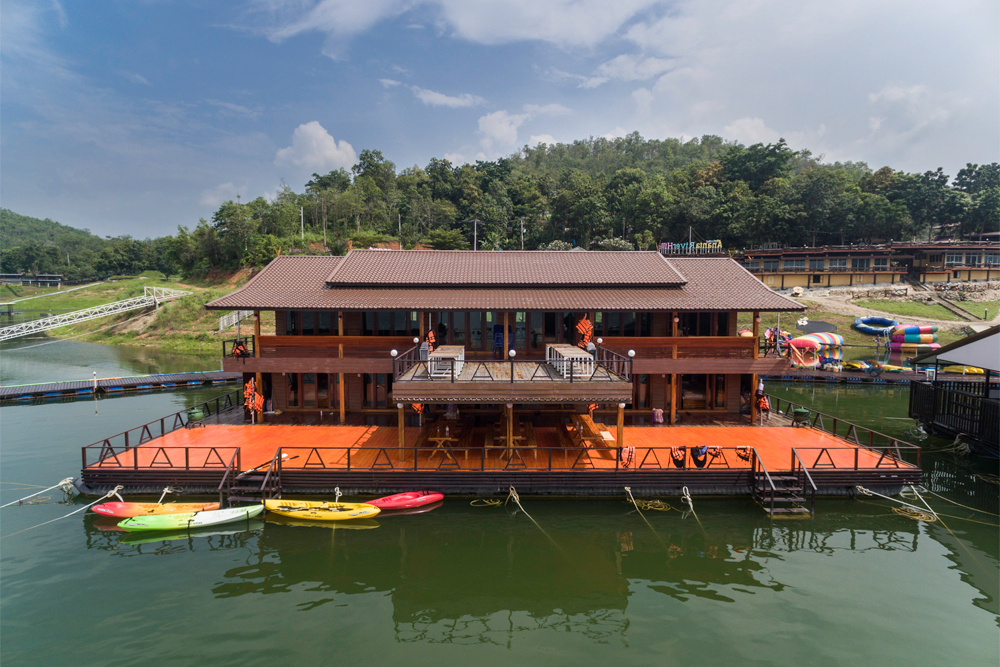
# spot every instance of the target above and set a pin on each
(376, 444)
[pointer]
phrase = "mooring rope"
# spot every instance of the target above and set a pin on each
(948, 500)
(109, 494)
(169, 489)
(867, 492)
(512, 495)
(66, 485)
(486, 502)
(686, 497)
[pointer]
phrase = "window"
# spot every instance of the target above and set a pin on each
(323, 323)
(628, 324)
(309, 390)
(401, 319)
(308, 319)
(992, 259)
(367, 324)
(795, 263)
(720, 391)
(881, 264)
(293, 390)
(723, 324)
(817, 278)
(414, 323)
(934, 259)
(376, 389)
(537, 329)
(476, 330)
(384, 323)
(954, 259)
(291, 323)
(520, 330)
(862, 263)
(323, 390)
(646, 323)
(838, 263)
(752, 266)
(569, 328)
(972, 259)
(442, 328)
(612, 324)
(458, 328)
(550, 327)
(817, 264)
(771, 265)
(641, 399)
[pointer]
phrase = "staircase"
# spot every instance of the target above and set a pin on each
(252, 486)
(781, 494)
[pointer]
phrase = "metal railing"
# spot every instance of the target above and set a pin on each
(607, 366)
(249, 346)
(800, 470)
(846, 430)
(230, 319)
(134, 437)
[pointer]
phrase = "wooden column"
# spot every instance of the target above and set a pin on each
(621, 425)
(674, 378)
(340, 376)
(756, 339)
(506, 342)
(753, 399)
(401, 427)
(258, 379)
(420, 316)
(510, 428)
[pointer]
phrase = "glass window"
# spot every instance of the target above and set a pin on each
(308, 326)
(520, 330)
(385, 323)
(881, 263)
(309, 390)
(476, 330)
(442, 328)
(628, 324)
(771, 265)
(642, 391)
(972, 259)
(723, 324)
(751, 266)
(323, 323)
(860, 263)
(293, 390)
(817, 264)
(646, 324)
(291, 323)
(720, 391)
(569, 328)
(401, 318)
(705, 324)
(458, 328)
(954, 259)
(838, 263)
(537, 317)
(323, 390)
(688, 325)
(367, 324)
(992, 258)
(414, 323)
(612, 324)
(795, 263)
(934, 259)
(550, 327)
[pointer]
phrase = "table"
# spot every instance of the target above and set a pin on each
(441, 361)
(559, 357)
(441, 442)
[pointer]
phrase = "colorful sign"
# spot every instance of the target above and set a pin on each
(703, 247)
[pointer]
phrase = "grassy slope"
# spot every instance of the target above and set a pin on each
(181, 326)
(977, 307)
(911, 309)
(843, 322)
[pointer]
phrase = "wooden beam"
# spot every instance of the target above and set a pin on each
(621, 425)
(673, 397)
(340, 376)
(256, 353)
(506, 343)
(401, 427)
(753, 399)
(756, 333)
(510, 428)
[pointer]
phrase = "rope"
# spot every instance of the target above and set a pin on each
(109, 494)
(169, 489)
(66, 485)
(966, 507)
(512, 495)
(862, 490)
(486, 502)
(914, 514)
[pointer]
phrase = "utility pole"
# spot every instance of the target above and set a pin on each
(522, 234)
(302, 222)
(475, 234)
(399, 220)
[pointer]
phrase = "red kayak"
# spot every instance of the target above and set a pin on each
(402, 501)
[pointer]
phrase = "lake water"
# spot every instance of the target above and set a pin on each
(591, 583)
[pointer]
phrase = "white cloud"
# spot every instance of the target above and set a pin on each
(547, 110)
(616, 133)
(500, 127)
(536, 139)
(435, 99)
(643, 100)
(214, 197)
(456, 159)
(634, 68)
(581, 80)
(230, 109)
(313, 150)
(134, 78)
(389, 83)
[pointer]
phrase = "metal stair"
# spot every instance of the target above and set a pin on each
(252, 486)
(781, 494)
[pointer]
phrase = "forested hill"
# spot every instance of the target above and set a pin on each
(597, 194)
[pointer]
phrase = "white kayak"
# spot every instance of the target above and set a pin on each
(191, 519)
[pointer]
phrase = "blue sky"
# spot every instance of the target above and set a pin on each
(137, 116)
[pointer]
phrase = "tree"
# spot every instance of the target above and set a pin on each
(446, 239)
(757, 164)
(338, 181)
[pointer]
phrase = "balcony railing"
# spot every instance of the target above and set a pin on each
(606, 366)
(893, 268)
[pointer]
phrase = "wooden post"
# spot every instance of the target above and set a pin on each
(420, 316)
(340, 376)
(753, 400)
(621, 425)
(401, 427)
(756, 339)
(510, 428)
(673, 396)
(506, 342)
(258, 379)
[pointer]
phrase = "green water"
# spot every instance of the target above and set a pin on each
(857, 585)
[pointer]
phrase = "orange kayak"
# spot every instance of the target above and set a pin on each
(127, 510)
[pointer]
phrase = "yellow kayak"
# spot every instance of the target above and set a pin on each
(967, 370)
(321, 510)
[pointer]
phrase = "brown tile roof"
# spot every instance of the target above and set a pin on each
(518, 268)
(298, 283)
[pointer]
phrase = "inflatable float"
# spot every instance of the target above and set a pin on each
(917, 348)
(915, 329)
(875, 326)
(812, 350)
(816, 341)
(914, 338)
(408, 500)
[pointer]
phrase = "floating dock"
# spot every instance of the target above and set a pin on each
(28, 392)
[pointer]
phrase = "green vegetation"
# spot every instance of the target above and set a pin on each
(931, 311)
(977, 307)
(598, 194)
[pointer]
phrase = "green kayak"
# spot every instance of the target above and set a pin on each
(191, 519)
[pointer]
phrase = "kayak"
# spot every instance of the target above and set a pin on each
(410, 499)
(296, 522)
(144, 537)
(191, 519)
(321, 510)
(125, 510)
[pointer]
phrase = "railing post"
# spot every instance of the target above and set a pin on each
(571, 372)
(162, 432)
(187, 458)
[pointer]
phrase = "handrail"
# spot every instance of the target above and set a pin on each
(233, 468)
(774, 489)
(796, 457)
(618, 368)
(818, 417)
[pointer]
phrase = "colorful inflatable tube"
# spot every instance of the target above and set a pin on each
(914, 338)
(915, 329)
(914, 348)
(816, 341)
(875, 326)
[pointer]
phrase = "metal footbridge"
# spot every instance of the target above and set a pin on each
(152, 296)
